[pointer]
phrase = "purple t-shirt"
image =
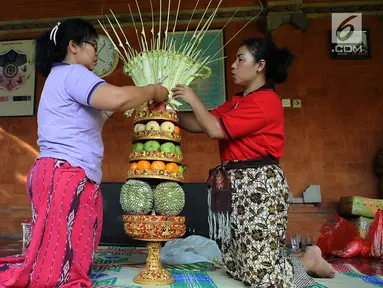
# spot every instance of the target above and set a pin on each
(68, 127)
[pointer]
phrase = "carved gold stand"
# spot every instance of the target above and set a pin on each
(154, 229)
(153, 273)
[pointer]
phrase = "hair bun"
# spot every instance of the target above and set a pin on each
(283, 59)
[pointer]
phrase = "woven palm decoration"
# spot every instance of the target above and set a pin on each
(158, 61)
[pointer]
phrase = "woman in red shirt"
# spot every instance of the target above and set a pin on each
(249, 193)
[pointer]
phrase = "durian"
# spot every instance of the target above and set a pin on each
(136, 197)
(169, 199)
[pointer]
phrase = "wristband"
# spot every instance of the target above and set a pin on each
(154, 91)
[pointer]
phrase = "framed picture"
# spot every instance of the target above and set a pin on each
(362, 50)
(17, 78)
(211, 91)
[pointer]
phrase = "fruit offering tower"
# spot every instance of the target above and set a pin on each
(152, 197)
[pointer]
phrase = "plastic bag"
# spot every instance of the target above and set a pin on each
(373, 244)
(340, 239)
(192, 249)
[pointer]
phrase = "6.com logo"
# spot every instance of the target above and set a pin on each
(346, 33)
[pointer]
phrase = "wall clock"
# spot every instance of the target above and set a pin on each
(107, 57)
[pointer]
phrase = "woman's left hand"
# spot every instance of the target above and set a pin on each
(185, 93)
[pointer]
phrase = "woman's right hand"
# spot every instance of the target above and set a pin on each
(161, 93)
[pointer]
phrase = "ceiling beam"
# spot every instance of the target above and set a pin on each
(292, 11)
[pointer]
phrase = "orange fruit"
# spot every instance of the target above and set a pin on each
(177, 130)
(158, 165)
(143, 164)
(172, 167)
(133, 166)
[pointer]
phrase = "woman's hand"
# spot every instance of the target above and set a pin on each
(185, 93)
(160, 93)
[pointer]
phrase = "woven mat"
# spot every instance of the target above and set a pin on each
(117, 266)
(348, 276)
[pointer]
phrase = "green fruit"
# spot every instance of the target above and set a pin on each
(178, 150)
(136, 197)
(181, 169)
(151, 145)
(168, 147)
(169, 199)
(138, 147)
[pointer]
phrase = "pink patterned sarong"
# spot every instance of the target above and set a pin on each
(66, 229)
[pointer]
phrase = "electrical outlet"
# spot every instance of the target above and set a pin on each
(297, 103)
(286, 102)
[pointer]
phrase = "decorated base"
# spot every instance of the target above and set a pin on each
(154, 273)
(155, 156)
(148, 115)
(154, 229)
(156, 135)
(155, 174)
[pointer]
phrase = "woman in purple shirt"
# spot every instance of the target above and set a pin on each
(63, 183)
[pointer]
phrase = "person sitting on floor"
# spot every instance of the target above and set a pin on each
(249, 191)
(63, 182)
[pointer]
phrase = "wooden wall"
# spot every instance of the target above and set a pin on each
(32, 9)
(332, 140)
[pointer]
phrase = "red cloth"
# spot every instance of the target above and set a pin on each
(66, 229)
(253, 126)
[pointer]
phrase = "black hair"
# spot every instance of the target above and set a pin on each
(277, 60)
(48, 53)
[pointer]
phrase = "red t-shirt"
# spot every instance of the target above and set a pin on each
(253, 126)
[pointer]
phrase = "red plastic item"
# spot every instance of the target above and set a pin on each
(340, 239)
(373, 244)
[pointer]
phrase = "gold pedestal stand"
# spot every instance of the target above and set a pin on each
(154, 230)
(153, 273)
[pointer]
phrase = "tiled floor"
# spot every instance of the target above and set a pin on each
(364, 265)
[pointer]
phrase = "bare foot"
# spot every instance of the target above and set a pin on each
(315, 264)
(317, 249)
(299, 254)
